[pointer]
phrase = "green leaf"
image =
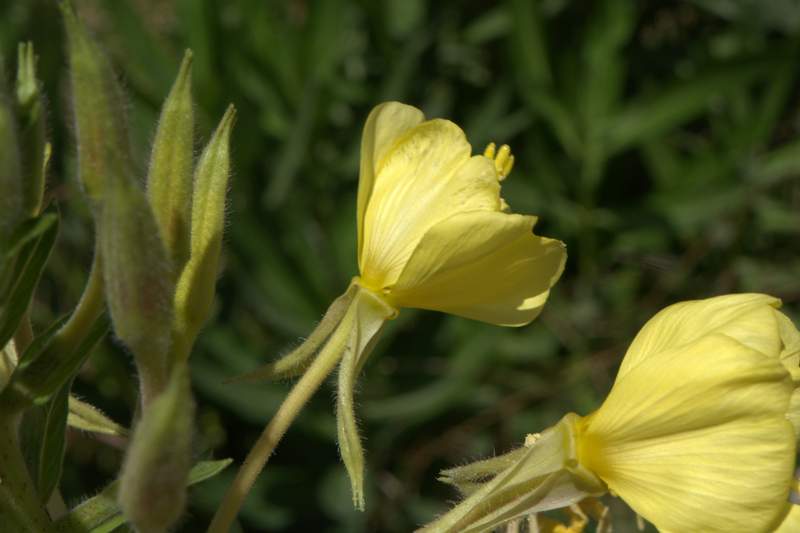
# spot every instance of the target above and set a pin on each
(25, 232)
(101, 514)
(43, 441)
(27, 270)
(87, 417)
(37, 378)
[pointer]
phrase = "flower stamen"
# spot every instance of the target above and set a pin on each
(503, 159)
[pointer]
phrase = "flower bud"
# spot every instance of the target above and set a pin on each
(30, 115)
(102, 139)
(138, 281)
(195, 290)
(169, 181)
(152, 490)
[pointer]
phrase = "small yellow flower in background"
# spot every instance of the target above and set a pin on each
(433, 233)
(697, 434)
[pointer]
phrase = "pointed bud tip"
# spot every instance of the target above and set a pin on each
(185, 72)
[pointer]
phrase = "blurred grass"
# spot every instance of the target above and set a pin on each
(657, 139)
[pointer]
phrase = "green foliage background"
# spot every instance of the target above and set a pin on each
(659, 140)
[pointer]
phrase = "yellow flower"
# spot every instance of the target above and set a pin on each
(697, 432)
(432, 231)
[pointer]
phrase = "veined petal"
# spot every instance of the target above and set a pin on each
(483, 265)
(697, 439)
(385, 124)
(426, 177)
(748, 318)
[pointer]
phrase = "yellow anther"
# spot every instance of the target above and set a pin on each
(503, 160)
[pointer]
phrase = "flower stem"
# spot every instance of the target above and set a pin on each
(86, 312)
(294, 402)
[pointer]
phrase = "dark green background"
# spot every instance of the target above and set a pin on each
(657, 139)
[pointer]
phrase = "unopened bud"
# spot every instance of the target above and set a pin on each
(169, 181)
(195, 291)
(30, 114)
(102, 139)
(138, 281)
(152, 490)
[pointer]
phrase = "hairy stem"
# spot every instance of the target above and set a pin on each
(86, 312)
(320, 369)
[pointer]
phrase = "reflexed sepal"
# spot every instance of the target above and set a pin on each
(546, 476)
(295, 362)
(371, 313)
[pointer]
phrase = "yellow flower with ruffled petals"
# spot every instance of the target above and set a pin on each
(432, 228)
(433, 233)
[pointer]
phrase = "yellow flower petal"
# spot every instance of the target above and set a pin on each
(483, 265)
(791, 522)
(748, 318)
(426, 177)
(695, 438)
(386, 123)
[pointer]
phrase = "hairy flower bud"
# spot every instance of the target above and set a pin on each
(102, 139)
(195, 291)
(152, 490)
(169, 181)
(138, 281)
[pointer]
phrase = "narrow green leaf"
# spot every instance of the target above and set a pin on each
(29, 266)
(43, 441)
(32, 137)
(25, 232)
(38, 378)
(101, 514)
(87, 417)
(42, 340)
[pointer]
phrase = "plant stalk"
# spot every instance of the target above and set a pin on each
(294, 402)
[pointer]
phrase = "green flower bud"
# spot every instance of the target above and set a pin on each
(138, 281)
(195, 290)
(10, 183)
(152, 490)
(30, 114)
(169, 181)
(103, 146)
